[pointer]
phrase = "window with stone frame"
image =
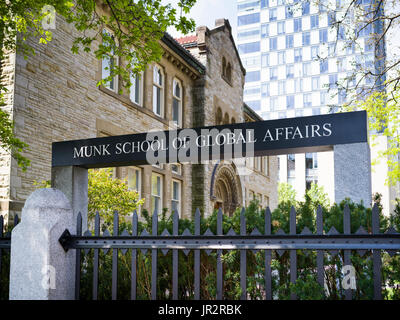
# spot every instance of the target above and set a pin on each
(107, 64)
(177, 109)
(136, 89)
(158, 91)
(266, 166)
(156, 193)
(176, 196)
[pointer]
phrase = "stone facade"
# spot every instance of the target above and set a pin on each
(55, 97)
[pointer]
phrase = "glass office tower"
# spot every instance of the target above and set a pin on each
(298, 64)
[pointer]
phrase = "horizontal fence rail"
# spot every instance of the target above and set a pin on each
(265, 242)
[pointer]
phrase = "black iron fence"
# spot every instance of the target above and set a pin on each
(5, 246)
(220, 243)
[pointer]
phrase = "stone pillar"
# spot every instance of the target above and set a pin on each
(352, 168)
(73, 182)
(40, 268)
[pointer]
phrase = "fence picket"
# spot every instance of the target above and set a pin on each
(293, 253)
(175, 232)
(376, 256)
(347, 253)
(320, 253)
(78, 258)
(96, 258)
(114, 282)
(332, 241)
(243, 262)
(268, 257)
(220, 280)
(154, 259)
(197, 218)
(134, 257)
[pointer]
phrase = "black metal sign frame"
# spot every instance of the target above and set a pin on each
(273, 137)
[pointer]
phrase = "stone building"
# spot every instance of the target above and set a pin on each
(53, 96)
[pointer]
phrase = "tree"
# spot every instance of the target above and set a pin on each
(385, 114)
(135, 29)
(286, 193)
(107, 195)
(370, 27)
(366, 27)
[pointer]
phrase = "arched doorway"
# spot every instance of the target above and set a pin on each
(226, 191)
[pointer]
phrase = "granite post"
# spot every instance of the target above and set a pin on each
(352, 169)
(73, 182)
(40, 268)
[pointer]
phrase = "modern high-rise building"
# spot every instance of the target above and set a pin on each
(298, 64)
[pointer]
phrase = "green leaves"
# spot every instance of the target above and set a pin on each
(107, 195)
(9, 142)
(136, 28)
(384, 121)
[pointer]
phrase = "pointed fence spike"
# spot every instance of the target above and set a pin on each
(16, 220)
(96, 222)
(197, 219)
(79, 224)
(134, 223)
(346, 220)
(154, 223)
(306, 231)
(175, 223)
(219, 222)
(375, 219)
(267, 218)
(243, 222)
(332, 231)
(115, 223)
(292, 220)
(320, 226)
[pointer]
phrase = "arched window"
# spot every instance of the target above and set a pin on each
(136, 89)
(158, 91)
(233, 120)
(218, 117)
(228, 72)
(223, 66)
(226, 118)
(177, 102)
(109, 62)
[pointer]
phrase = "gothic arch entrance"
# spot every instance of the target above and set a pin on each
(226, 190)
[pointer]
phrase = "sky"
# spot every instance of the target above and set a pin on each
(205, 12)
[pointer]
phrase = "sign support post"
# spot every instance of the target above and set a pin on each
(73, 182)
